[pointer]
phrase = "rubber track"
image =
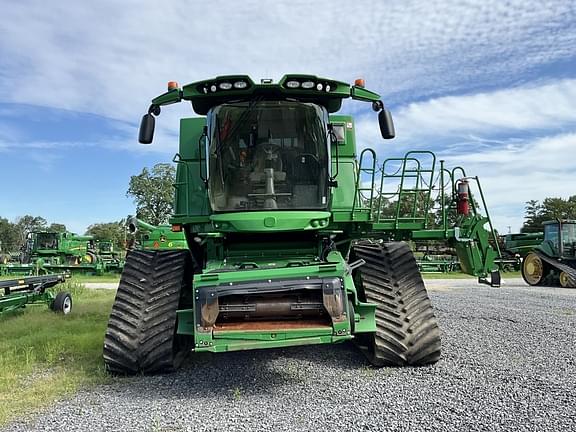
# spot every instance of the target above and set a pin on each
(407, 331)
(141, 328)
(570, 271)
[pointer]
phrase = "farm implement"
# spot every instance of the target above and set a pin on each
(17, 293)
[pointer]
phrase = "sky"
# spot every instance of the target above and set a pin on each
(488, 84)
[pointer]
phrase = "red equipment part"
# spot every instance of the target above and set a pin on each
(463, 207)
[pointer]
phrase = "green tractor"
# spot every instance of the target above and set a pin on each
(553, 262)
(288, 243)
(155, 237)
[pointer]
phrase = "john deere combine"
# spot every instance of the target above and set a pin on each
(294, 236)
(553, 261)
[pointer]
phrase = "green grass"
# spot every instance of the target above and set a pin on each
(46, 356)
(110, 277)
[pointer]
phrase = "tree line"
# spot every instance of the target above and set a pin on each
(13, 234)
(550, 209)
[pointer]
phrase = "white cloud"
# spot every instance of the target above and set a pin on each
(111, 60)
(479, 119)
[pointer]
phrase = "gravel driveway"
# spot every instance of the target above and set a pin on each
(508, 364)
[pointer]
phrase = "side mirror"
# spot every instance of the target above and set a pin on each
(146, 134)
(386, 124)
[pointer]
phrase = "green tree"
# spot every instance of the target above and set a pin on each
(56, 227)
(533, 217)
(9, 236)
(550, 209)
(110, 231)
(153, 193)
(27, 224)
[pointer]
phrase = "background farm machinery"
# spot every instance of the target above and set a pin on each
(17, 293)
(53, 252)
(553, 260)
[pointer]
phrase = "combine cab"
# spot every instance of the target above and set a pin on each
(553, 262)
(293, 236)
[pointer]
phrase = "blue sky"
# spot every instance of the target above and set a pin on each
(487, 84)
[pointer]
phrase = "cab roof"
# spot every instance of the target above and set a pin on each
(208, 93)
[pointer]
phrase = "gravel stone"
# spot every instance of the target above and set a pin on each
(508, 364)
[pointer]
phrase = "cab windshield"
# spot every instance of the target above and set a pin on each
(46, 241)
(568, 234)
(268, 155)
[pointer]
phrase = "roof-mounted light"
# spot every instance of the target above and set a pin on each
(308, 84)
(292, 84)
(359, 82)
(172, 85)
(225, 86)
(240, 84)
(213, 88)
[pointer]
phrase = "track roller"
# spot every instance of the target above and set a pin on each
(407, 331)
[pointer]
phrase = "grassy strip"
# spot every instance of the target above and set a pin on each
(45, 356)
(109, 277)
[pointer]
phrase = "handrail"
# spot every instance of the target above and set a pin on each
(372, 171)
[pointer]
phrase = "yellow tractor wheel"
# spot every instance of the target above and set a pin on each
(533, 269)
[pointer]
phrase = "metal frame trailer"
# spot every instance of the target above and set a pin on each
(29, 290)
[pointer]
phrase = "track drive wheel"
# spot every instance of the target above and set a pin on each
(565, 280)
(141, 335)
(533, 269)
(407, 332)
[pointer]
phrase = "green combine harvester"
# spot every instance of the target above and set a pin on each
(52, 252)
(553, 261)
(294, 236)
(155, 237)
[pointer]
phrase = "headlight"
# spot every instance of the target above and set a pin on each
(308, 84)
(240, 84)
(292, 84)
(225, 86)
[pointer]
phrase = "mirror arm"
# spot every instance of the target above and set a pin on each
(170, 97)
(361, 94)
